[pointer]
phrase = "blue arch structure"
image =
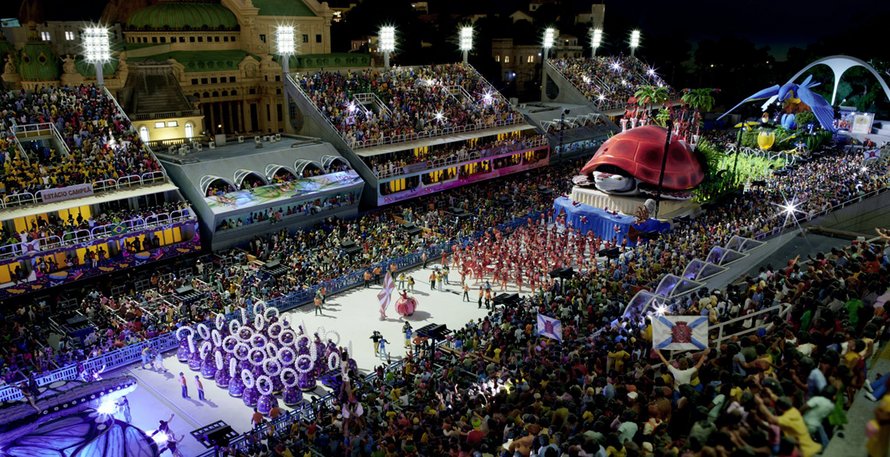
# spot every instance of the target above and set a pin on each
(839, 65)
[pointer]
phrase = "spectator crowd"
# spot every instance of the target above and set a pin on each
(100, 143)
(607, 81)
(416, 101)
(497, 388)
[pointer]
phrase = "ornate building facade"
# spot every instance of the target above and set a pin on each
(180, 68)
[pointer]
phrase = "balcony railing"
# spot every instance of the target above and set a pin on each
(105, 185)
(434, 133)
(79, 236)
(455, 158)
(166, 115)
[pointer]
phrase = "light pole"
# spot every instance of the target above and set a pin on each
(738, 150)
(562, 127)
(97, 49)
(466, 41)
(664, 159)
(596, 39)
(387, 41)
(285, 43)
(634, 41)
(549, 38)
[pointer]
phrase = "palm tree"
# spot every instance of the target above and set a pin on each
(651, 95)
(700, 100)
(663, 116)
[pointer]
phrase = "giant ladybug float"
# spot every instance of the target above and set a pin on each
(629, 163)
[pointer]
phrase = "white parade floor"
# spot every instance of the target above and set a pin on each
(354, 315)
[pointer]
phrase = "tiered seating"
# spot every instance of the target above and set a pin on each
(607, 81)
(416, 102)
(386, 165)
(101, 142)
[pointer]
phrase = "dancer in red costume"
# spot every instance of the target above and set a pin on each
(406, 305)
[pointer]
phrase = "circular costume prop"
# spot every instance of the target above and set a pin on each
(406, 305)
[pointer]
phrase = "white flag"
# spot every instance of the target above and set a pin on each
(385, 294)
(549, 327)
(679, 333)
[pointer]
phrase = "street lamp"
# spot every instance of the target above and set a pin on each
(596, 39)
(97, 49)
(562, 127)
(387, 40)
(634, 41)
(466, 41)
(738, 150)
(285, 44)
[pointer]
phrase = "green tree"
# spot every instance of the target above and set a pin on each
(651, 95)
(701, 100)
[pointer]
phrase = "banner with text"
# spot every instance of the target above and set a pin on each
(59, 194)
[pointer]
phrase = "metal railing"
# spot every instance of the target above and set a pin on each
(132, 353)
(28, 131)
(813, 215)
(78, 236)
(110, 360)
(434, 133)
(29, 198)
(166, 115)
(123, 114)
(455, 158)
(299, 89)
(41, 129)
(781, 310)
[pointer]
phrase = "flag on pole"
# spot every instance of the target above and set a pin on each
(385, 294)
(549, 327)
(679, 333)
(872, 154)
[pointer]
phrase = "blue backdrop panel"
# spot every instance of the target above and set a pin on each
(603, 224)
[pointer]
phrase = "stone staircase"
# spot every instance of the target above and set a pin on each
(163, 95)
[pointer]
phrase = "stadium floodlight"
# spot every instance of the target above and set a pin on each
(97, 49)
(387, 41)
(549, 37)
(634, 41)
(285, 39)
(286, 45)
(466, 41)
(596, 39)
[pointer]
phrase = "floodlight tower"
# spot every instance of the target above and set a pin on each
(596, 39)
(387, 41)
(466, 41)
(286, 44)
(634, 41)
(549, 39)
(97, 49)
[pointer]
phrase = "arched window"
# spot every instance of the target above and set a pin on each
(189, 129)
(143, 133)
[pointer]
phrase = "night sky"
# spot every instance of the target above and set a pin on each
(777, 24)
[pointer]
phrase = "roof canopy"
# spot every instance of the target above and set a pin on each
(183, 16)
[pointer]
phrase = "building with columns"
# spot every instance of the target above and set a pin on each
(180, 68)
